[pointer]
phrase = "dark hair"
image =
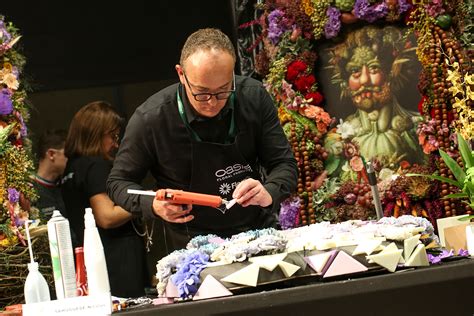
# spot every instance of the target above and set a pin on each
(88, 127)
(206, 39)
(52, 138)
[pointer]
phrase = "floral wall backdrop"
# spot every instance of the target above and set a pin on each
(337, 69)
(15, 149)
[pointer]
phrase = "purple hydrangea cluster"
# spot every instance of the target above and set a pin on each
(289, 213)
(6, 105)
(278, 24)
(403, 6)
(333, 24)
(446, 254)
(186, 277)
(13, 195)
(5, 37)
(364, 11)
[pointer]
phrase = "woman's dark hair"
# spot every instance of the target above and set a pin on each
(88, 128)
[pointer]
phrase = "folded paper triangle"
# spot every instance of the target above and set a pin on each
(163, 300)
(318, 262)
(269, 262)
(246, 276)
(418, 258)
(288, 268)
(409, 244)
(391, 247)
(171, 290)
(344, 264)
(367, 246)
(210, 288)
(387, 259)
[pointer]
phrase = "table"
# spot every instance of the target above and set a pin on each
(446, 289)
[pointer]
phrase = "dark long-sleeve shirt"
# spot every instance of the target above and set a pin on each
(157, 140)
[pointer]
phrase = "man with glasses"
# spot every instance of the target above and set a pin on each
(213, 133)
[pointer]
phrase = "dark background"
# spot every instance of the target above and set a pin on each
(72, 44)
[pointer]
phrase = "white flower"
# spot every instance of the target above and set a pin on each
(386, 174)
(346, 129)
(10, 80)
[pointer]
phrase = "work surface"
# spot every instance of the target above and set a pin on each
(446, 289)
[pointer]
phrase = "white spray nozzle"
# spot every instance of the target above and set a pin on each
(89, 220)
(30, 249)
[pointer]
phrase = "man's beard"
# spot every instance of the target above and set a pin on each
(371, 98)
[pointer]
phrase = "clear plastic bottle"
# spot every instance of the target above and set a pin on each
(94, 257)
(36, 289)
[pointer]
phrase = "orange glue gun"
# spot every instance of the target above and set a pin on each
(185, 197)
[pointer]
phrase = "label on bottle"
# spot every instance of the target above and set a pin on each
(81, 275)
(62, 256)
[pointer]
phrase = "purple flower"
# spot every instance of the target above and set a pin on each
(186, 278)
(5, 37)
(13, 195)
(6, 105)
(463, 253)
(364, 11)
(437, 259)
(289, 212)
(333, 24)
(435, 8)
(433, 259)
(277, 25)
(23, 129)
(403, 6)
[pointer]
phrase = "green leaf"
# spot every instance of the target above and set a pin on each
(466, 218)
(456, 196)
(332, 163)
(457, 171)
(466, 153)
(304, 121)
(439, 178)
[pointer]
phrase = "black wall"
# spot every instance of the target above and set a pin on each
(72, 44)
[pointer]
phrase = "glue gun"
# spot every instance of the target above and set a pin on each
(185, 197)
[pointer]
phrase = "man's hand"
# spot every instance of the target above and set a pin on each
(252, 192)
(174, 213)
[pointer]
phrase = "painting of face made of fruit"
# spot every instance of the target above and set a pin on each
(369, 77)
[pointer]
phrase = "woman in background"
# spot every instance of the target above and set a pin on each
(91, 142)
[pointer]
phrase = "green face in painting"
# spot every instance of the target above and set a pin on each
(367, 85)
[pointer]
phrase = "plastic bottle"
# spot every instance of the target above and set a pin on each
(94, 258)
(36, 289)
(81, 276)
(62, 257)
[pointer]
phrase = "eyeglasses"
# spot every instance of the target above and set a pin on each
(202, 97)
(115, 136)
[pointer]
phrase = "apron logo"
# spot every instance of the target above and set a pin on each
(224, 189)
(231, 171)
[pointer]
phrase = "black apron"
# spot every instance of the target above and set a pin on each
(216, 169)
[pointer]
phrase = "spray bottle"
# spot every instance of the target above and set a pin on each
(94, 257)
(36, 289)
